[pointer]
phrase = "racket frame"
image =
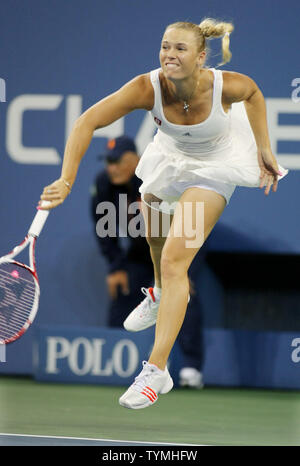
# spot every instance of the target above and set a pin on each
(30, 239)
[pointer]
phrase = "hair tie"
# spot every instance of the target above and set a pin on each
(227, 34)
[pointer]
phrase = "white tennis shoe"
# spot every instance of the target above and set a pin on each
(147, 385)
(145, 314)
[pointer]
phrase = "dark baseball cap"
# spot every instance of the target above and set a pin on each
(115, 148)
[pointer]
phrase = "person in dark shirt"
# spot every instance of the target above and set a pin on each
(129, 265)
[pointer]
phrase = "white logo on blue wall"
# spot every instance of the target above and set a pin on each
(85, 357)
(2, 352)
(2, 90)
(41, 103)
(296, 92)
(73, 108)
(296, 352)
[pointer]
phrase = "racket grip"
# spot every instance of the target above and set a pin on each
(39, 221)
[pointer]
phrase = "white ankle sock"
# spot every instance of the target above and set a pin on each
(157, 292)
(154, 365)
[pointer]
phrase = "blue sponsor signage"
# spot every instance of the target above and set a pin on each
(89, 355)
(254, 359)
(93, 355)
(114, 357)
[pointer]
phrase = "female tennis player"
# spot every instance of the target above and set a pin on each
(200, 152)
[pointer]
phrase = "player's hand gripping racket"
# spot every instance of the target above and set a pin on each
(19, 285)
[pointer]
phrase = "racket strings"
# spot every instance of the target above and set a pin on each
(17, 298)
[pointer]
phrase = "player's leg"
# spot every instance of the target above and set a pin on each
(177, 255)
(157, 225)
(191, 335)
(178, 252)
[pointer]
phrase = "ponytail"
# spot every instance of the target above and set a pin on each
(210, 29)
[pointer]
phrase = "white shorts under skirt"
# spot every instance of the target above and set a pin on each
(173, 193)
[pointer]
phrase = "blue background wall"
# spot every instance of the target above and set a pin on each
(89, 49)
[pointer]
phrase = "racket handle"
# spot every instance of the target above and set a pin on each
(39, 221)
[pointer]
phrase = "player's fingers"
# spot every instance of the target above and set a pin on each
(263, 179)
(275, 184)
(269, 184)
(49, 206)
(50, 196)
(50, 189)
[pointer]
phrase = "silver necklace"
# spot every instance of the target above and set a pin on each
(186, 105)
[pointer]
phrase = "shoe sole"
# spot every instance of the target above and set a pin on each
(137, 329)
(123, 403)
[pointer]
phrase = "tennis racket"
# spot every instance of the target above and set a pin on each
(19, 285)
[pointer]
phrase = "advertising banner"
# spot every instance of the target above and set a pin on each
(114, 357)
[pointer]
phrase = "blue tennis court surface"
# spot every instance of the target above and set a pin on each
(42, 440)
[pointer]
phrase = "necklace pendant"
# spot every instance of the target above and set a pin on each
(186, 106)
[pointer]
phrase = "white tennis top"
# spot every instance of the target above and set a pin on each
(222, 148)
(211, 135)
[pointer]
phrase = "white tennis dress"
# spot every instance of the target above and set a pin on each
(218, 154)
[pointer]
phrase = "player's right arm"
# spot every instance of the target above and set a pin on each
(136, 94)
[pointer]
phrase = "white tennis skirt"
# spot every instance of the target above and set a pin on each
(167, 172)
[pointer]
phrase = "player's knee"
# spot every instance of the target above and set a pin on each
(172, 266)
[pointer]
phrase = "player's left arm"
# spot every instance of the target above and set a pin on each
(238, 87)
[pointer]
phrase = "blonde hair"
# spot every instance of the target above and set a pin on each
(209, 28)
